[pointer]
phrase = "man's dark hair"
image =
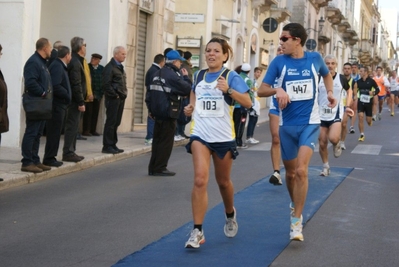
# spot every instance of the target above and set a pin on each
(297, 30)
(63, 51)
(167, 51)
(42, 43)
(159, 58)
(366, 69)
(187, 55)
(257, 68)
(348, 64)
(378, 67)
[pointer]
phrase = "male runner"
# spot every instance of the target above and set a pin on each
(365, 89)
(296, 93)
(355, 76)
(394, 97)
(347, 73)
(383, 84)
(330, 126)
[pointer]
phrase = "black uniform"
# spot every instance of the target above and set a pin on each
(164, 128)
(365, 100)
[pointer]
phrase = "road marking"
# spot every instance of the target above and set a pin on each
(264, 146)
(392, 154)
(367, 149)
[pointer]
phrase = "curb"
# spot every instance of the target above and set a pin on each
(22, 178)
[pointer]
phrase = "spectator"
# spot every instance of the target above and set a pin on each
(61, 100)
(37, 82)
(77, 80)
(159, 62)
(54, 53)
(4, 124)
(170, 82)
(90, 117)
(255, 110)
(114, 86)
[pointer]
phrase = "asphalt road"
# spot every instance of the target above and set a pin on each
(97, 216)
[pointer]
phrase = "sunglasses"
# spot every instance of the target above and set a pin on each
(285, 38)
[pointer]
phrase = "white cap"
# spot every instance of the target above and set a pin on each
(246, 67)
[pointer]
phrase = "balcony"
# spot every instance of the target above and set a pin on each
(319, 3)
(365, 52)
(334, 15)
(343, 26)
(280, 14)
(264, 5)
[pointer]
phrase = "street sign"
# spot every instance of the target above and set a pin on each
(270, 25)
(311, 44)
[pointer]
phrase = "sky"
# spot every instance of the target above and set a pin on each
(388, 4)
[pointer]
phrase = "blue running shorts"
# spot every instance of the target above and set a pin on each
(293, 137)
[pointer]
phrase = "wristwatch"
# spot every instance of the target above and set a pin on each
(230, 91)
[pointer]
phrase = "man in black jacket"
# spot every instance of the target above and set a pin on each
(37, 83)
(164, 128)
(159, 62)
(77, 80)
(115, 89)
(61, 100)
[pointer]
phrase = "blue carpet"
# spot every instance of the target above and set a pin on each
(263, 219)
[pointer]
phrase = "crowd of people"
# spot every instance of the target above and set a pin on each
(310, 103)
(76, 88)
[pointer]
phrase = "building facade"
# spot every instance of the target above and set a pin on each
(352, 30)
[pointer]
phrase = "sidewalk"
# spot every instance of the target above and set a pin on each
(132, 143)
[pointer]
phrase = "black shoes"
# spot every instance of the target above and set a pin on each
(118, 149)
(162, 173)
(54, 163)
(110, 150)
(72, 157)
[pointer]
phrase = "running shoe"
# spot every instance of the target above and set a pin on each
(243, 146)
(361, 138)
(178, 138)
(337, 150)
(352, 130)
(252, 141)
(343, 147)
(392, 114)
(296, 231)
(275, 179)
(292, 210)
(231, 226)
(379, 116)
(148, 142)
(325, 171)
(374, 118)
(196, 239)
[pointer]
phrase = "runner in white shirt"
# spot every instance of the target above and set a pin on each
(394, 97)
(330, 126)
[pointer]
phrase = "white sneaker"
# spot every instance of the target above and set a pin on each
(343, 147)
(352, 130)
(178, 138)
(337, 151)
(196, 239)
(325, 171)
(296, 231)
(231, 226)
(374, 118)
(148, 142)
(252, 141)
(292, 210)
(275, 179)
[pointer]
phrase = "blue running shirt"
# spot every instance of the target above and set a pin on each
(299, 78)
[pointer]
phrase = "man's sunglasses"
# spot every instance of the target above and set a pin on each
(285, 38)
